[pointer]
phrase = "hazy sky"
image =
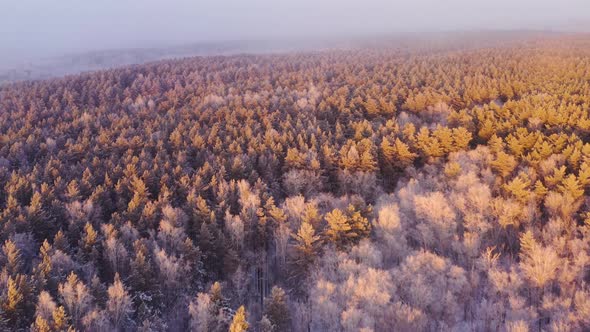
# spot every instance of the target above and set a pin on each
(33, 28)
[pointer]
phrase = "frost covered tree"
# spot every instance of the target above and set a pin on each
(119, 304)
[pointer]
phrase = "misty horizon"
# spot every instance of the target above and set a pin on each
(35, 29)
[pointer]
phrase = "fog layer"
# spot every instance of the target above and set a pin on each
(36, 28)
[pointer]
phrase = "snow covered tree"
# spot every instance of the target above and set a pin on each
(119, 304)
(276, 309)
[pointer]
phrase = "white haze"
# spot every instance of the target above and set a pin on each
(33, 29)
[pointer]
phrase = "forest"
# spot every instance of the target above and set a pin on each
(415, 188)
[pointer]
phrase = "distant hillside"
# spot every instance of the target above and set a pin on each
(51, 67)
(97, 60)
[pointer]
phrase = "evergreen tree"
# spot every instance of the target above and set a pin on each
(13, 304)
(346, 228)
(518, 188)
(60, 320)
(461, 138)
(141, 270)
(504, 164)
(338, 227)
(13, 257)
(276, 308)
(60, 242)
(570, 185)
(239, 322)
(40, 325)
(43, 269)
(306, 247)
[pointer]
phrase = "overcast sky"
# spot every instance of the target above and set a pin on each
(34, 28)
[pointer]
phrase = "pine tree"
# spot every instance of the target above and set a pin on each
(13, 257)
(306, 247)
(386, 160)
(403, 154)
(387, 151)
(396, 155)
(239, 322)
(444, 135)
(409, 132)
(518, 188)
(544, 150)
(294, 160)
(349, 157)
(60, 320)
(276, 308)
(88, 242)
(60, 242)
(540, 189)
(515, 146)
(556, 178)
(367, 162)
(372, 108)
(211, 245)
(571, 185)
(527, 242)
(41, 325)
(140, 195)
(216, 294)
(434, 149)
(13, 304)
(452, 169)
(43, 269)
(38, 217)
(496, 144)
(73, 191)
(338, 227)
(422, 139)
(311, 214)
(200, 214)
(346, 228)
(504, 164)
(141, 271)
(584, 174)
(486, 130)
(219, 306)
(461, 138)
(359, 224)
